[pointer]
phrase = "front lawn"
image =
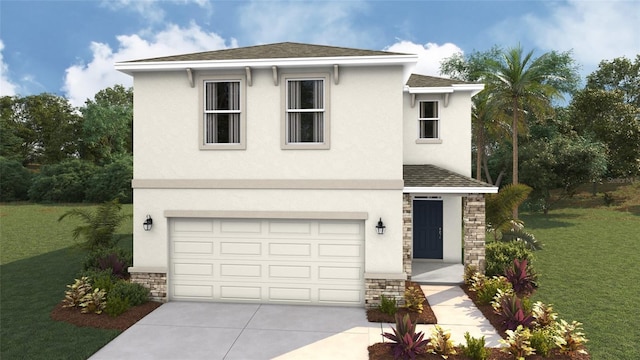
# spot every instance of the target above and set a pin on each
(589, 271)
(37, 261)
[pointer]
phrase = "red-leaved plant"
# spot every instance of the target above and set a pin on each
(407, 343)
(513, 313)
(521, 276)
(112, 261)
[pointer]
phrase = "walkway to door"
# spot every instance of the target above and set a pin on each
(436, 272)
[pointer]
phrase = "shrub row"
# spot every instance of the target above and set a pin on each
(69, 181)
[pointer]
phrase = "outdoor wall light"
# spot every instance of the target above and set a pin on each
(380, 227)
(148, 223)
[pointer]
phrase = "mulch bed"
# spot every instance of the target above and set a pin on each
(426, 317)
(382, 351)
(103, 321)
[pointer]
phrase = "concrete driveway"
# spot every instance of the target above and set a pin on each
(192, 330)
(220, 331)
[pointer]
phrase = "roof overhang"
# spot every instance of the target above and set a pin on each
(141, 66)
(450, 190)
(473, 88)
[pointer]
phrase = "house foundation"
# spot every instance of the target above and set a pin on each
(474, 231)
(156, 282)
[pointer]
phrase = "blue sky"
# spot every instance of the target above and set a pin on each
(69, 47)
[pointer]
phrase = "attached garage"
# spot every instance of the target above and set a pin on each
(295, 261)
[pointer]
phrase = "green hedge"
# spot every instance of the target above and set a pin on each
(15, 180)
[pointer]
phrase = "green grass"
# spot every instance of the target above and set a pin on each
(38, 259)
(589, 270)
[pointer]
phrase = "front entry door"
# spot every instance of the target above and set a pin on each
(427, 229)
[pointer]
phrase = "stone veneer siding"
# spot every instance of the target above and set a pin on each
(375, 288)
(407, 234)
(155, 282)
(474, 231)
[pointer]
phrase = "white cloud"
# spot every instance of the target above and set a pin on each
(7, 88)
(151, 10)
(83, 81)
(430, 55)
(316, 22)
(594, 30)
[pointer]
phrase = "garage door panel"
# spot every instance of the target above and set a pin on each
(287, 294)
(236, 293)
(193, 291)
(193, 248)
(339, 250)
(240, 227)
(339, 273)
(240, 248)
(345, 296)
(193, 225)
(289, 272)
(289, 249)
(290, 227)
(188, 269)
(240, 270)
(340, 228)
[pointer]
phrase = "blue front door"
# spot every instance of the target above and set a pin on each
(427, 229)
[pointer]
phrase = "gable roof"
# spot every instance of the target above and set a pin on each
(434, 179)
(423, 84)
(283, 50)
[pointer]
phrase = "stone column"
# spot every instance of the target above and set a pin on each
(474, 231)
(407, 233)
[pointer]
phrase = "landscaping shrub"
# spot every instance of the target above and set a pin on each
(407, 343)
(112, 182)
(490, 288)
(514, 314)
(500, 255)
(135, 293)
(543, 315)
(388, 305)
(413, 299)
(518, 343)
(77, 291)
(94, 258)
(15, 180)
(570, 338)
(94, 302)
(440, 343)
(475, 348)
(116, 306)
(102, 279)
(66, 181)
(542, 341)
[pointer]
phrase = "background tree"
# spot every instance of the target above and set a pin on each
(607, 110)
(107, 131)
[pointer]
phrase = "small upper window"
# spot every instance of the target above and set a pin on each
(222, 112)
(305, 112)
(429, 120)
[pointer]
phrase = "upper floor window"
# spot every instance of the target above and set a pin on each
(429, 120)
(222, 112)
(306, 116)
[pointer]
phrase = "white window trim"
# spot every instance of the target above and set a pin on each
(436, 140)
(201, 80)
(326, 144)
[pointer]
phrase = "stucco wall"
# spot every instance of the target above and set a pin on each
(366, 129)
(454, 152)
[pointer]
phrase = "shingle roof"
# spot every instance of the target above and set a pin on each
(434, 176)
(282, 50)
(416, 80)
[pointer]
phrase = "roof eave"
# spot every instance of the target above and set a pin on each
(473, 88)
(451, 190)
(133, 67)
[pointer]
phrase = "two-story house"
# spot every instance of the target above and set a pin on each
(296, 173)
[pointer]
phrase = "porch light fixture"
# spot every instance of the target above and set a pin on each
(380, 227)
(148, 223)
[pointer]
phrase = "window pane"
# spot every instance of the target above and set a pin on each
(222, 128)
(306, 94)
(428, 110)
(429, 129)
(305, 127)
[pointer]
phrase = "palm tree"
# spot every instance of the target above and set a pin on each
(487, 126)
(521, 84)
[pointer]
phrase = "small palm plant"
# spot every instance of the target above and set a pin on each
(407, 343)
(499, 215)
(99, 227)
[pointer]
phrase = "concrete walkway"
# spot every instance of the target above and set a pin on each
(190, 330)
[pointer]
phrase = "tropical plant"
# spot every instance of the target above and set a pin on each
(518, 343)
(116, 306)
(407, 343)
(414, 299)
(94, 302)
(499, 215)
(135, 293)
(521, 277)
(469, 272)
(99, 226)
(519, 82)
(388, 305)
(440, 343)
(570, 338)
(118, 267)
(513, 313)
(475, 348)
(77, 291)
(496, 303)
(543, 315)
(491, 287)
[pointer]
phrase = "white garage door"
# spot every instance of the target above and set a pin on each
(267, 261)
